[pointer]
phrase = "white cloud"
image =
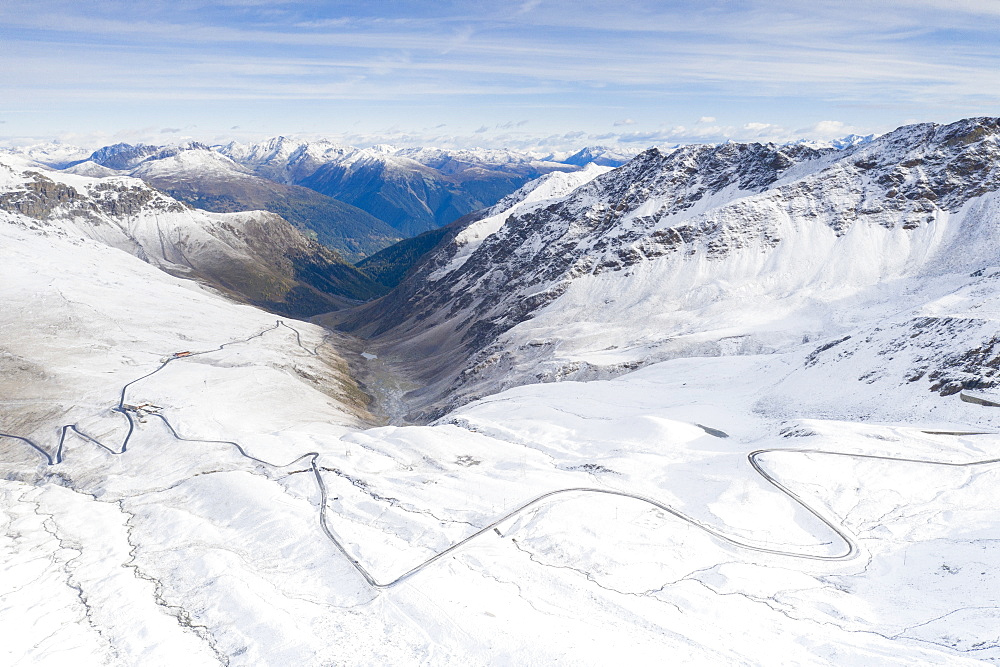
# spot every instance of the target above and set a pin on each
(462, 61)
(510, 124)
(759, 128)
(828, 129)
(528, 6)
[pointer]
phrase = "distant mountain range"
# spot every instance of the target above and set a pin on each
(349, 204)
(412, 189)
(729, 404)
(353, 200)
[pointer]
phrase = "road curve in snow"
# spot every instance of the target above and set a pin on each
(849, 547)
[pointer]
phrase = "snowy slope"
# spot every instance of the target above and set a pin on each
(186, 551)
(80, 320)
(707, 250)
(532, 195)
(254, 255)
(207, 179)
(187, 164)
(791, 477)
(92, 169)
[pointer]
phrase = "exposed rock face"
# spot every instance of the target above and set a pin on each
(123, 156)
(206, 179)
(646, 248)
(40, 197)
(256, 256)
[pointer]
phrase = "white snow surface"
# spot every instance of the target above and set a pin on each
(189, 164)
(877, 545)
(531, 195)
(161, 230)
(92, 169)
(51, 153)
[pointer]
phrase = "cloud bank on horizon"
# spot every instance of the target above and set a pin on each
(542, 74)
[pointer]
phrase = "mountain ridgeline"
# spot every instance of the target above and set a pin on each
(414, 189)
(253, 256)
(712, 250)
(206, 179)
(354, 201)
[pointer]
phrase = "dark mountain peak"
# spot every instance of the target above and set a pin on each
(968, 131)
(122, 155)
(679, 179)
(171, 151)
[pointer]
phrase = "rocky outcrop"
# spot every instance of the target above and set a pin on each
(691, 229)
(257, 257)
(197, 175)
(40, 197)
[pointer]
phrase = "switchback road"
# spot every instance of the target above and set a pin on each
(849, 548)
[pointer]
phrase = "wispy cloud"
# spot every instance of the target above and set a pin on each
(529, 6)
(557, 66)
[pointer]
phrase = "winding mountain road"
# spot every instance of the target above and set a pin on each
(850, 548)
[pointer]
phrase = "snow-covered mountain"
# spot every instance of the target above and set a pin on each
(412, 189)
(847, 141)
(771, 463)
(604, 156)
(122, 156)
(209, 180)
(736, 248)
(285, 160)
(256, 255)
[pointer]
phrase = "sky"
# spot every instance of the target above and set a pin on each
(524, 74)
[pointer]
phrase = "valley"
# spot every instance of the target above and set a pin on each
(706, 404)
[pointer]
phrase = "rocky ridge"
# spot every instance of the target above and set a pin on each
(669, 251)
(254, 256)
(207, 179)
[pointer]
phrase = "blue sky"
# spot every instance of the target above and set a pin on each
(534, 74)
